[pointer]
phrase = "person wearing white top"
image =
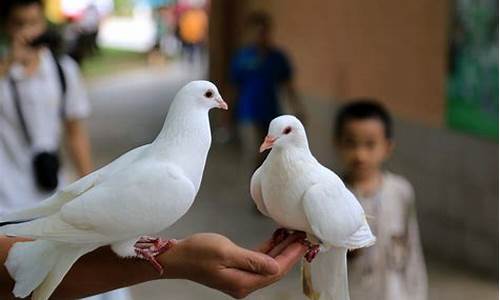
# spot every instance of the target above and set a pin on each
(42, 100)
(35, 110)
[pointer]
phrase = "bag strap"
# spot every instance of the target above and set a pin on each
(63, 83)
(19, 111)
(17, 98)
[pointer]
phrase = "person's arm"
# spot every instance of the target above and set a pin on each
(206, 258)
(79, 146)
(236, 71)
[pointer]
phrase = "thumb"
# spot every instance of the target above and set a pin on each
(254, 262)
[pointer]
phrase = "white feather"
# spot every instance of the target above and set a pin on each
(143, 192)
(329, 274)
(301, 194)
(73, 190)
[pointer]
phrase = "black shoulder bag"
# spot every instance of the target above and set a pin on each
(45, 164)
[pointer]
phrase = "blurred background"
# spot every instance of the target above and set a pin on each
(433, 64)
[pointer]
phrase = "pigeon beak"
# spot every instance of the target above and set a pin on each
(222, 104)
(268, 143)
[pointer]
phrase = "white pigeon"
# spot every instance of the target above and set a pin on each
(295, 190)
(141, 193)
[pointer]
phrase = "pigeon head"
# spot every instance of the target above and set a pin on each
(204, 93)
(285, 131)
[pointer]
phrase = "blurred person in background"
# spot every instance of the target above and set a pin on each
(81, 34)
(41, 97)
(155, 54)
(258, 71)
(192, 32)
(394, 268)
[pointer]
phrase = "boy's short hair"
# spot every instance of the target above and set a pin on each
(7, 6)
(362, 109)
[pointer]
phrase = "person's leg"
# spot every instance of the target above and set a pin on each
(248, 138)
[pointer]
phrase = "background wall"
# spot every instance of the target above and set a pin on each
(354, 48)
(397, 54)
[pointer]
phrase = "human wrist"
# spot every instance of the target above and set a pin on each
(171, 263)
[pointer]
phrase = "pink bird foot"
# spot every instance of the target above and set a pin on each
(148, 247)
(311, 252)
(280, 235)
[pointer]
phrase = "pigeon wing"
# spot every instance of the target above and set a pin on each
(256, 192)
(333, 213)
(52, 204)
(151, 197)
(145, 198)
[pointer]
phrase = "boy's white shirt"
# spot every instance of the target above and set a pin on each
(40, 96)
(387, 271)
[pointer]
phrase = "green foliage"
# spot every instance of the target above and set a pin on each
(109, 61)
(123, 7)
(473, 79)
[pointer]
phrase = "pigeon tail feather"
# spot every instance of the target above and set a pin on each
(325, 278)
(40, 266)
(363, 237)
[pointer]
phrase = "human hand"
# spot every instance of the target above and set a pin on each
(215, 261)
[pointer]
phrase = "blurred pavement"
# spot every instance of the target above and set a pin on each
(128, 110)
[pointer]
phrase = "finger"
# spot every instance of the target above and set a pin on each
(268, 245)
(294, 237)
(235, 278)
(265, 247)
(254, 262)
(250, 281)
(290, 256)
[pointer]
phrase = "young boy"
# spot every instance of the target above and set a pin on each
(259, 70)
(394, 268)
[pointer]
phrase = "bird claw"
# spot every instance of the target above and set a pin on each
(148, 248)
(313, 250)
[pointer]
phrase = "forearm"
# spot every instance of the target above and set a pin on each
(79, 146)
(209, 259)
(101, 271)
(96, 272)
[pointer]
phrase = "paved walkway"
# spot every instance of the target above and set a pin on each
(129, 111)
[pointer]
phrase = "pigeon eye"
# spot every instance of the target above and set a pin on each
(287, 130)
(209, 94)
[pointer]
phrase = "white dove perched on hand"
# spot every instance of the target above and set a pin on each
(142, 192)
(295, 190)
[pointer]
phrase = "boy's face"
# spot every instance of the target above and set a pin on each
(363, 146)
(261, 35)
(26, 21)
